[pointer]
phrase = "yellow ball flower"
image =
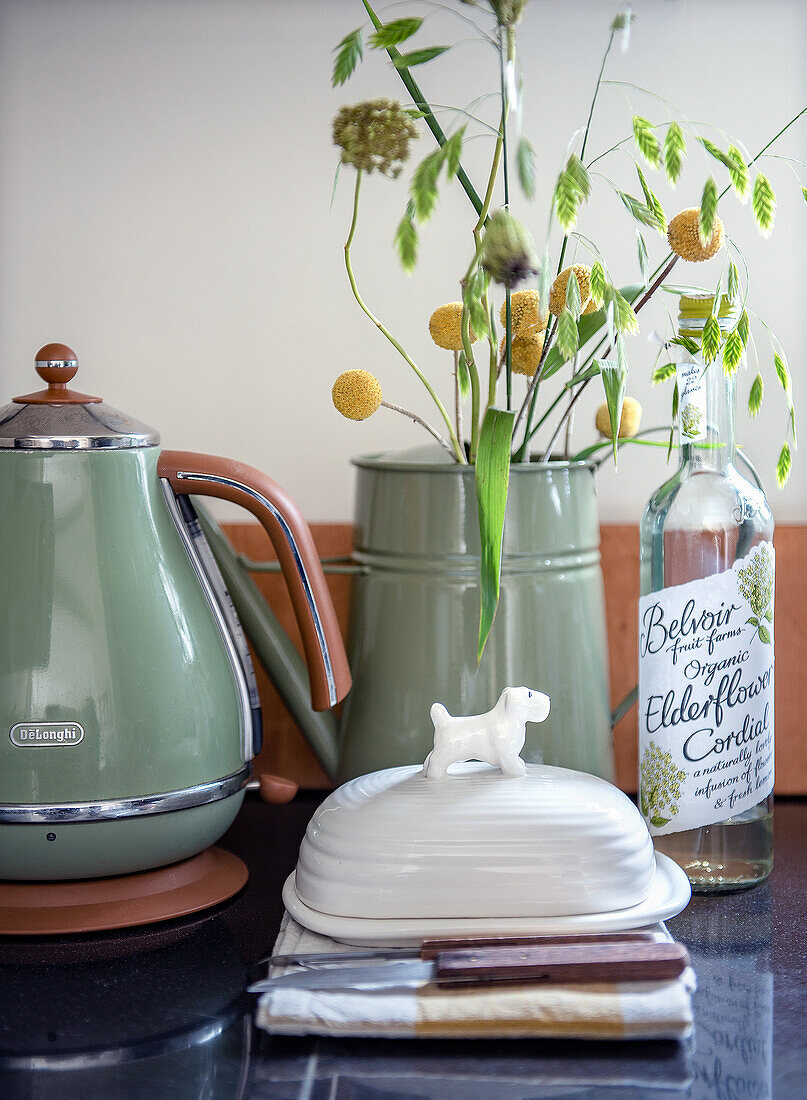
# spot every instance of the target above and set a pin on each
(683, 235)
(525, 315)
(445, 327)
(629, 422)
(525, 352)
(557, 295)
(356, 394)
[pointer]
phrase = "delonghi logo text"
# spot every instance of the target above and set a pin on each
(36, 735)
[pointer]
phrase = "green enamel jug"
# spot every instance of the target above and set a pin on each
(128, 709)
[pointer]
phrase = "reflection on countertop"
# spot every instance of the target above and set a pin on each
(161, 1012)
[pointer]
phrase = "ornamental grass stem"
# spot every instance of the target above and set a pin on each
(455, 446)
(423, 423)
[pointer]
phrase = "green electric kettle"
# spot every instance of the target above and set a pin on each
(128, 709)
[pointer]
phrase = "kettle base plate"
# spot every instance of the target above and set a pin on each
(125, 901)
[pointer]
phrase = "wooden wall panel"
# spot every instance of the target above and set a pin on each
(286, 753)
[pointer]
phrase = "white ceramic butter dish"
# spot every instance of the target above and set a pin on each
(412, 852)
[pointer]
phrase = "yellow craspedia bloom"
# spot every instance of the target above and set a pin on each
(445, 327)
(628, 424)
(524, 312)
(557, 295)
(683, 234)
(356, 394)
(525, 352)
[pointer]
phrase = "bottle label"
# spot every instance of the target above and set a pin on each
(691, 401)
(706, 696)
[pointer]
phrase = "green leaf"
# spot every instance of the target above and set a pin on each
(652, 202)
(453, 151)
(769, 615)
(782, 373)
(525, 162)
(583, 375)
(644, 263)
(567, 200)
(406, 240)
(567, 341)
(646, 141)
(763, 204)
(739, 174)
(348, 54)
(640, 211)
(643, 803)
(764, 634)
(710, 339)
(598, 282)
(755, 396)
(660, 822)
(708, 210)
(675, 148)
(492, 483)
(783, 465)
(463, 374)
(733, 282)
(588, 326)
(392, 34)
(752, 621)
(686, 342)
(472, 295)
(624, 317)
(614, 377)
(424, 184)
(732, 352)
(804, 192)
(579, 173)
(663, 373)
(418, 57)
(573, 302)
(743, 327)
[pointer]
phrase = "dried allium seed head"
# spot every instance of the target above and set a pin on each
(374, 135)
(507, 251)
(356, 394)
(445, 326)
(557, 295)
(683, 235)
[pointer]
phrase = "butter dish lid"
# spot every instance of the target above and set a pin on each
(460, 838)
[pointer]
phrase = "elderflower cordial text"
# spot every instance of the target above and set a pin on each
(706, 696)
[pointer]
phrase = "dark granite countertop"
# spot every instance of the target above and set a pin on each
(161, 1012)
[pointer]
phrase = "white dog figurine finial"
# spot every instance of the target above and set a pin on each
(496, 737)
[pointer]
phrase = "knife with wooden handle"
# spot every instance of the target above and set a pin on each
(556, 963)
(429, 949)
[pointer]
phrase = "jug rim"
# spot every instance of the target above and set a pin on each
(379, 462)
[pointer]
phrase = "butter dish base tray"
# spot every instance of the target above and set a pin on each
(669, 894)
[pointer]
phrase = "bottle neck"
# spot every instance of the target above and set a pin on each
(715, 452)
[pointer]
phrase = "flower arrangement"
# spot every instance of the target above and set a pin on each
(570, 327)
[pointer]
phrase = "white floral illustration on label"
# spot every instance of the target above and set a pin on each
(706, 696)
(691, 401)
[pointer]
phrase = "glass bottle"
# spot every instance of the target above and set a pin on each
(706, 639)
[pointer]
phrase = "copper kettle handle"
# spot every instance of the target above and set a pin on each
(208, 475)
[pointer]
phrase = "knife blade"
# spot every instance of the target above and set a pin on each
(568, 963)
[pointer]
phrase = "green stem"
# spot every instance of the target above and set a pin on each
(428, 116)
(508, 333)
(455, 446)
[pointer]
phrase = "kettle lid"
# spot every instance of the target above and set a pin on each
(58, 418)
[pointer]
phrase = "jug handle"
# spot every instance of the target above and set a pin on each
(209, 475)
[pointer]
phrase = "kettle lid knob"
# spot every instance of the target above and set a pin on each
(56, 364)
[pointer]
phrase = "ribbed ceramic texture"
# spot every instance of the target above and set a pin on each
(394, 844)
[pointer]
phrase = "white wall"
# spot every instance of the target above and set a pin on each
(165, 180)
